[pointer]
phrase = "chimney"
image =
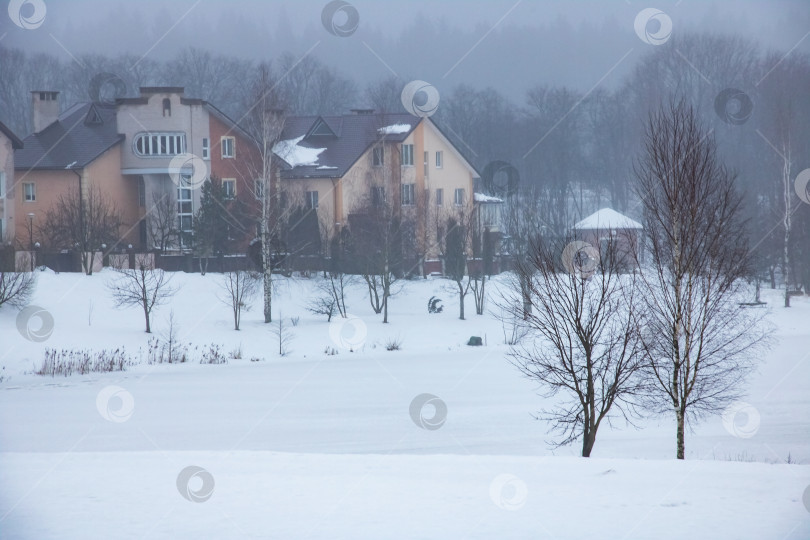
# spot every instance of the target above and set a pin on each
(362, 111)
(44, 108)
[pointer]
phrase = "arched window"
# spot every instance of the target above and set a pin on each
(167, 107)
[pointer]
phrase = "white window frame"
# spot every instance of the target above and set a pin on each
(33, 192)
(408, 194)
(229, 194)
(439, 196)
(258, 189)
(439, 159)
(407, 155)
(232, 149)
(378, 156)
(312, 200)
(458, 197)
(185, 195)
(206, 148)
(159, 144)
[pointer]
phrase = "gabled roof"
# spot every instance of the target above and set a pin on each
(82, 133)
(605, 219)
(16, 142)
(307, 153)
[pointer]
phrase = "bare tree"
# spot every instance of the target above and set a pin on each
(455, 257)
(582, 342)
(699, 342)
(377, 248)
(161, 223)
(238, 288)
(144, 286)
(265, 122)
(16, 288)
(283, 334)
(82, 222)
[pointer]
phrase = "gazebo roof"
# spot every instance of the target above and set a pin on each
(607, 218)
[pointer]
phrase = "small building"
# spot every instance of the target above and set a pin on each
(607, 227)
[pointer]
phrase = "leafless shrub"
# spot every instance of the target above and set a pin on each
(144, 286)
(238, 288)
(16, 288)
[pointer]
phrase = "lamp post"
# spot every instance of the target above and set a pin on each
(31, 238)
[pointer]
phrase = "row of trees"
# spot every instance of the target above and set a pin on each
(675, 336)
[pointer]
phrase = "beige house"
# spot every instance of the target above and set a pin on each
(339, 165)
(9, 142)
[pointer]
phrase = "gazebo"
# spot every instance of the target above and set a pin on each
(608, 227)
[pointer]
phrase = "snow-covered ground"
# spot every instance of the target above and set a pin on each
(316, 445)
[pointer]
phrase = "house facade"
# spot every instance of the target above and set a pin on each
(9, 142)
(340, 166)
(137, 152)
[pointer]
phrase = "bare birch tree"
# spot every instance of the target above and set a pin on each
(699, 342)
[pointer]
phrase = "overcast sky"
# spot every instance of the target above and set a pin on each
(506, 44)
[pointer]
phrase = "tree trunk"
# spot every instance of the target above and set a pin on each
(588, 440)
(268, 295)
(680, 416)
(146, 316)
(460, 300)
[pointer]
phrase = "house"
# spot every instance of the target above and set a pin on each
(607, 227)
(162, 124)
(339, 166)
(79, 149)
(9, 142)
(135, 151)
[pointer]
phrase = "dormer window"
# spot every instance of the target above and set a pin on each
(167, 107)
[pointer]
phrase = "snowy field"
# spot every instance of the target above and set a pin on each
(316, 445)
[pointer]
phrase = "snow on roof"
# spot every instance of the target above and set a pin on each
(480, 197)
(324, 167)
(395, 129)
(296, 155)
(607, 218)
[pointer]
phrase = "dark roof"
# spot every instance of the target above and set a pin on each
(353, 135)
(16, 143)
(82, 133)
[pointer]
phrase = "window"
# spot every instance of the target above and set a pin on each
(30, 191)
(227, 144)
(167, 107)
(378, 196)
(407, 155)
(258, 188)
(377, 156)
(229, 187)
(142, 232)
(185, 210)
(458, 197)
(408, 197)
(2, 186)
(427, 156)
(439, 197)
(206, 148)
(141, 192)
(439, 159)
(312, 200)
(160, 144)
